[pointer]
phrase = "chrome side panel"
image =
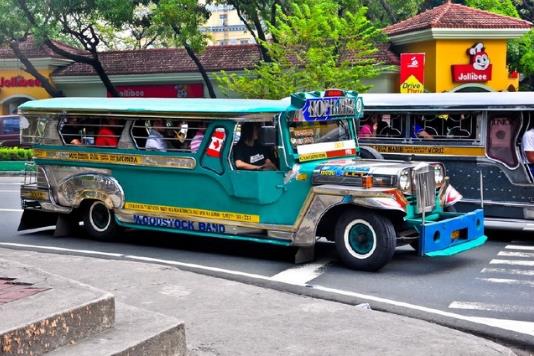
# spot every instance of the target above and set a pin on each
(75, 189)
(306, 233)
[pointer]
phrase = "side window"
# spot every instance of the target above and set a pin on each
(381, 125)
(169, 135)
(249, 152)
(502, 132)
(91, 131)
(458, 127)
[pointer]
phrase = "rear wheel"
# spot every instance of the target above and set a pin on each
(98, 220)
(364, 240)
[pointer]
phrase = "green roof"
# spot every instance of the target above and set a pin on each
(165, 106)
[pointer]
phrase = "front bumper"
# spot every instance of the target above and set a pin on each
(451, 233)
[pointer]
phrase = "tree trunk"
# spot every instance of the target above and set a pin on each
(30, 68)
(201, 69)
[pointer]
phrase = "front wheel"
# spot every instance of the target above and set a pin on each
(98, 220)
(364, 240)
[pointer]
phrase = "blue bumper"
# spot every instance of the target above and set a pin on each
(452, 233)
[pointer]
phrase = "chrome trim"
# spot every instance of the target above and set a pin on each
(306, 233)
(509, 224)
(493, 202)
(73, 190)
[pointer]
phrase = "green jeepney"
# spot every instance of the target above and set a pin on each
(321, 187)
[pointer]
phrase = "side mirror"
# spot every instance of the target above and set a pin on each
(268, 136)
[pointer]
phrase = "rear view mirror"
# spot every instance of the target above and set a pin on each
(268, 136)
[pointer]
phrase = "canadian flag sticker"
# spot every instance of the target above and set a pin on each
(217, 140)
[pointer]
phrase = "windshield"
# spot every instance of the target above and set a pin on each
(307, 133)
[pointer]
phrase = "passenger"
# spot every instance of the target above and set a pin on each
(418, 131)
(248, 153)
(197, 139)
(155, 140)
(71, 131)
(527, 148)
(369, 129)
(106, 135)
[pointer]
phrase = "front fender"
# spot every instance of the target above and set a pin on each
(73, 190)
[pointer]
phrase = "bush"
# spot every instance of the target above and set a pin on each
(15, 154)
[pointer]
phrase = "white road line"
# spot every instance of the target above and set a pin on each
(523, 327)
(515, 254)
(520, 247)
(52, 248)
(512, 263)
(520, 272)
(504, 308)
(11, 210)
(301, 275)
(508, 281)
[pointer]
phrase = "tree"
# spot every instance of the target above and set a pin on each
(13, 31)
(315, 49)
(179, 22)
(77, 19)
(387, 12)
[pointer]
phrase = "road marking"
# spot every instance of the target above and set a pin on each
(18, 210)
(523, 327)
(504, 308)
(52, 248)
(520, 272)
(301, 275)
(520, 247)
(515, 254)
(508, 281)
(512, 262)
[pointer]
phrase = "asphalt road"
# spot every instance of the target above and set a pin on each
(492, 286)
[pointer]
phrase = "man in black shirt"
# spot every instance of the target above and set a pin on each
(248, 153)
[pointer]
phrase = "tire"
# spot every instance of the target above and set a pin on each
(98, 221)
(364, 240)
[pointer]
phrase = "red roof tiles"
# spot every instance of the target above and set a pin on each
(451, 15)
(31, 49)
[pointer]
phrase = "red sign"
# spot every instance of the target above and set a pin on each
(412, 72)
(18, 81)
(161, 91)
(478, 69)
(217, 140)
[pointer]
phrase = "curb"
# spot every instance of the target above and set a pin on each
(60, 329)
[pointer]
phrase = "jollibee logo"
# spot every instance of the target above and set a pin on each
(479, 59)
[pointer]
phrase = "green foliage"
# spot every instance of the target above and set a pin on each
(502, 7)
(314, 49)
(15, 154)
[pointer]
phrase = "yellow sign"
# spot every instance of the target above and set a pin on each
(201, 213)
(431, 150)
(113, 158)
(412, 85)
(312, 156)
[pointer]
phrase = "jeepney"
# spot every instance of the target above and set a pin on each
(320, 189)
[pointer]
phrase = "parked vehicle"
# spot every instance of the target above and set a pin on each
(476, 135)
(156, 178)
(9, 130)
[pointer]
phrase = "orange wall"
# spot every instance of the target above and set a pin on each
(442, 54)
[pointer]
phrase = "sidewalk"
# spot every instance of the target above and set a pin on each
(230, 318)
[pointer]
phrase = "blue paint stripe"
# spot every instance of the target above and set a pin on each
(453, 250)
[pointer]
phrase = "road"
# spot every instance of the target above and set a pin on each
(491, 286)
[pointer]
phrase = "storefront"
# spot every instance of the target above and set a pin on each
(463, 49)
(17, 87)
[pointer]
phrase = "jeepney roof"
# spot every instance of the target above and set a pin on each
(224, 108)
(444, 101)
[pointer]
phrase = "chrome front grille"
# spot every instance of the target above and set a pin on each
(425, 188)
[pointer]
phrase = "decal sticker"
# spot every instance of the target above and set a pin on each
(178, 224)
(178, 211)
(217, 140)
(431, 150)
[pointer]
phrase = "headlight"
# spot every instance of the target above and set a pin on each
(405, 181)
(439, 174)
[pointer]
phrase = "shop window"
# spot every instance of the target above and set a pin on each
(168, 135)
(91, 131)
(502, 132)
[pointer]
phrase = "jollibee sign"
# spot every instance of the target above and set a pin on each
(18, 81)
(412, 73)
(478, 69)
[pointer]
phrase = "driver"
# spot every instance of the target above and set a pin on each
(249, 153)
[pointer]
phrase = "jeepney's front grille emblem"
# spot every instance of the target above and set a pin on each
(425, 189)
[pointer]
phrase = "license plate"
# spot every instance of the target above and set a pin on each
(455, 234)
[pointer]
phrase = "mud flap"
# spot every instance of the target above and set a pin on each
(33, 219)
(452, 233)
(305, 254)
